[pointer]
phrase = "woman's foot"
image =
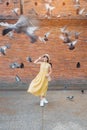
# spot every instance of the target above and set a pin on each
(42, 103)
(45, 101)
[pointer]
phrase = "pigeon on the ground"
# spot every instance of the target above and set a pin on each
(23, 25)
(70, 97)
(82, 91)
(17, 78)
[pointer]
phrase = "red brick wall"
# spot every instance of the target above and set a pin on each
(64, 61)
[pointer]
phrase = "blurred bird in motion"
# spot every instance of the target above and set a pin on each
(44, 38)
(23, 25)
(3, 49)
(49, 9)
(29, 59)
(72, 44)
(15, 11)
(81, 11)
(10, 34)
(76, 34)
(65, 38)
(16, 65)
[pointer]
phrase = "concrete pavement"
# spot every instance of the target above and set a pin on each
(21, 111)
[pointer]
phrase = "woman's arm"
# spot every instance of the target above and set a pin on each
(50, 71)
(37, 61)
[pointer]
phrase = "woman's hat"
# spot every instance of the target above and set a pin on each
(47, 56)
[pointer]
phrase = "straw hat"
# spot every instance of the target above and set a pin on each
(47, 56)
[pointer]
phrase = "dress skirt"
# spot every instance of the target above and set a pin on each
(39, 84)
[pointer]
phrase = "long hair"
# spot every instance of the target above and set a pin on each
(48, 61)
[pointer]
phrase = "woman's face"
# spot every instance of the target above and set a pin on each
(45, 59)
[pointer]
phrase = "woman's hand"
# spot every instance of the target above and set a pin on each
(39, 58)
(47, 75)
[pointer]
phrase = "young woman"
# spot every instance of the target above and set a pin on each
(39, 84)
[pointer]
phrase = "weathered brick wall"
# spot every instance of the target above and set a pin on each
(64, 60)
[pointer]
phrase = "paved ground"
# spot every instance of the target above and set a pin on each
(21, 111)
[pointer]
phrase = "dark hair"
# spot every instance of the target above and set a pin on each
(47, 58)
(50, 64)
(48, 61)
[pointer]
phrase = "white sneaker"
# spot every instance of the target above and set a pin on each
(45, 101)
(41, 103)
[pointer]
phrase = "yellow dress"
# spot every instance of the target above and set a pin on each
(39, 84)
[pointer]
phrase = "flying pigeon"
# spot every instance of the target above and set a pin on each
(10, 34)
(81, 11)
(44, 38)
(77, 34)
(23, 25)
(15, 10)
(4, 48)
(16, 65)
(66, 39)
(49, 7)
(72, 44)
(76, 1)
(29, 59)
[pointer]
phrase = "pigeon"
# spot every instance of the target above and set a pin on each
(78, 65)
(16, 65)
(77, 34)
(4, 48)
(10, 34)
(72, 44)
(63, 29)
(15, 10)
(70, 97)
(23, 25)
(49, 9)
(17, 78)
(81, 11)
(66, 39)
(76, 1)
(29, 59)
(21, 65)
(82, 91)
(44, 38)
(77, 7)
